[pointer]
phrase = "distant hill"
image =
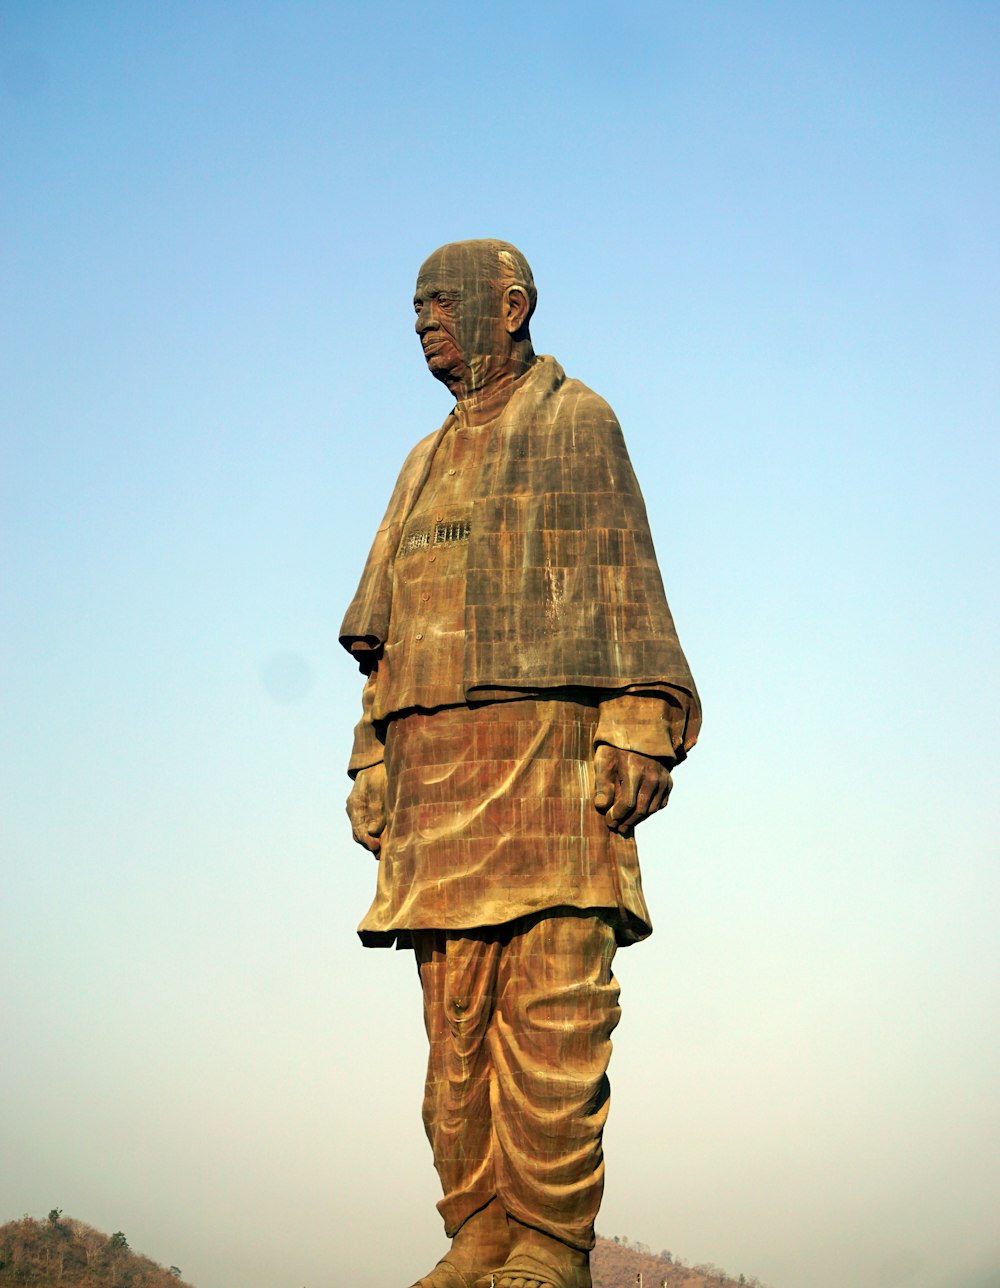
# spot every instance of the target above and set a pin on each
(617, 1263)
(61, 1252)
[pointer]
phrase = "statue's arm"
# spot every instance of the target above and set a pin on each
(366, 803)
(368, 749)
(639, 738)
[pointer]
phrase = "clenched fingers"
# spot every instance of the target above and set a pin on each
(629, 787)
(366, 808)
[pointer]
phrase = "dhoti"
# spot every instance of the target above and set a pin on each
(519, 1020)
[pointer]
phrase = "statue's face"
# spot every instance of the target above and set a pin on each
(458, 301)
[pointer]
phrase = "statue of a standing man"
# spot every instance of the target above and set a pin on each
(526, 699)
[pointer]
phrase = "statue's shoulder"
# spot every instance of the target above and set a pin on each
(568, 397)
(410, 478)
(416, 461)
(419, 452)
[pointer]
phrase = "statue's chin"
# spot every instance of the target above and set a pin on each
(443, 369)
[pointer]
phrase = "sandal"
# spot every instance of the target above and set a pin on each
(444, 1275)
(547, 1274)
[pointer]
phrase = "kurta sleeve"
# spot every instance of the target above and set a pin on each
(652, 724)
(368, 749)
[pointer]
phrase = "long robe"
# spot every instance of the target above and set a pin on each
(490, 809)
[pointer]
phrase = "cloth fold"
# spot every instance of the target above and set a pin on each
(563, 588)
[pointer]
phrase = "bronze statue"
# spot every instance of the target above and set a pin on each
(526, 699)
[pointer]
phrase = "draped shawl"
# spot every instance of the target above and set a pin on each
(563, 588)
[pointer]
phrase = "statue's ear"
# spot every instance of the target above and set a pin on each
(516, 307)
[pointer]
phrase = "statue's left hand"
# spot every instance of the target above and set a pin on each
(366, 807)
(628, 787)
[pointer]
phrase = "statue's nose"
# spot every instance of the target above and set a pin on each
(426, 317)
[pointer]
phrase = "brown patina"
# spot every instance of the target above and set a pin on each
(526, 698)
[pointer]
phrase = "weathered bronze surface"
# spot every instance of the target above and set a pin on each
(525, 701)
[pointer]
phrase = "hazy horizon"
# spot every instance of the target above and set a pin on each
(766, 233)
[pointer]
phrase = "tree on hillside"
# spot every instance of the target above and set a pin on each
(71, 1254)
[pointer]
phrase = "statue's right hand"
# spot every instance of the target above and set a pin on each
(366, 807)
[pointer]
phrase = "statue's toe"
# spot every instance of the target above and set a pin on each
(445, 1275)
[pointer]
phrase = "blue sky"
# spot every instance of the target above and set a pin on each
(766, 233)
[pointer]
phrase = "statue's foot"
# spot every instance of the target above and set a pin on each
(446, 1275)
(538, 1260)
(482, 1241)
(538, 1269)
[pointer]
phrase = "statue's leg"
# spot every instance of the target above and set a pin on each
(458, 978)
(550, 1044)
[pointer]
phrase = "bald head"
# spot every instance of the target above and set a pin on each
(473, 301)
